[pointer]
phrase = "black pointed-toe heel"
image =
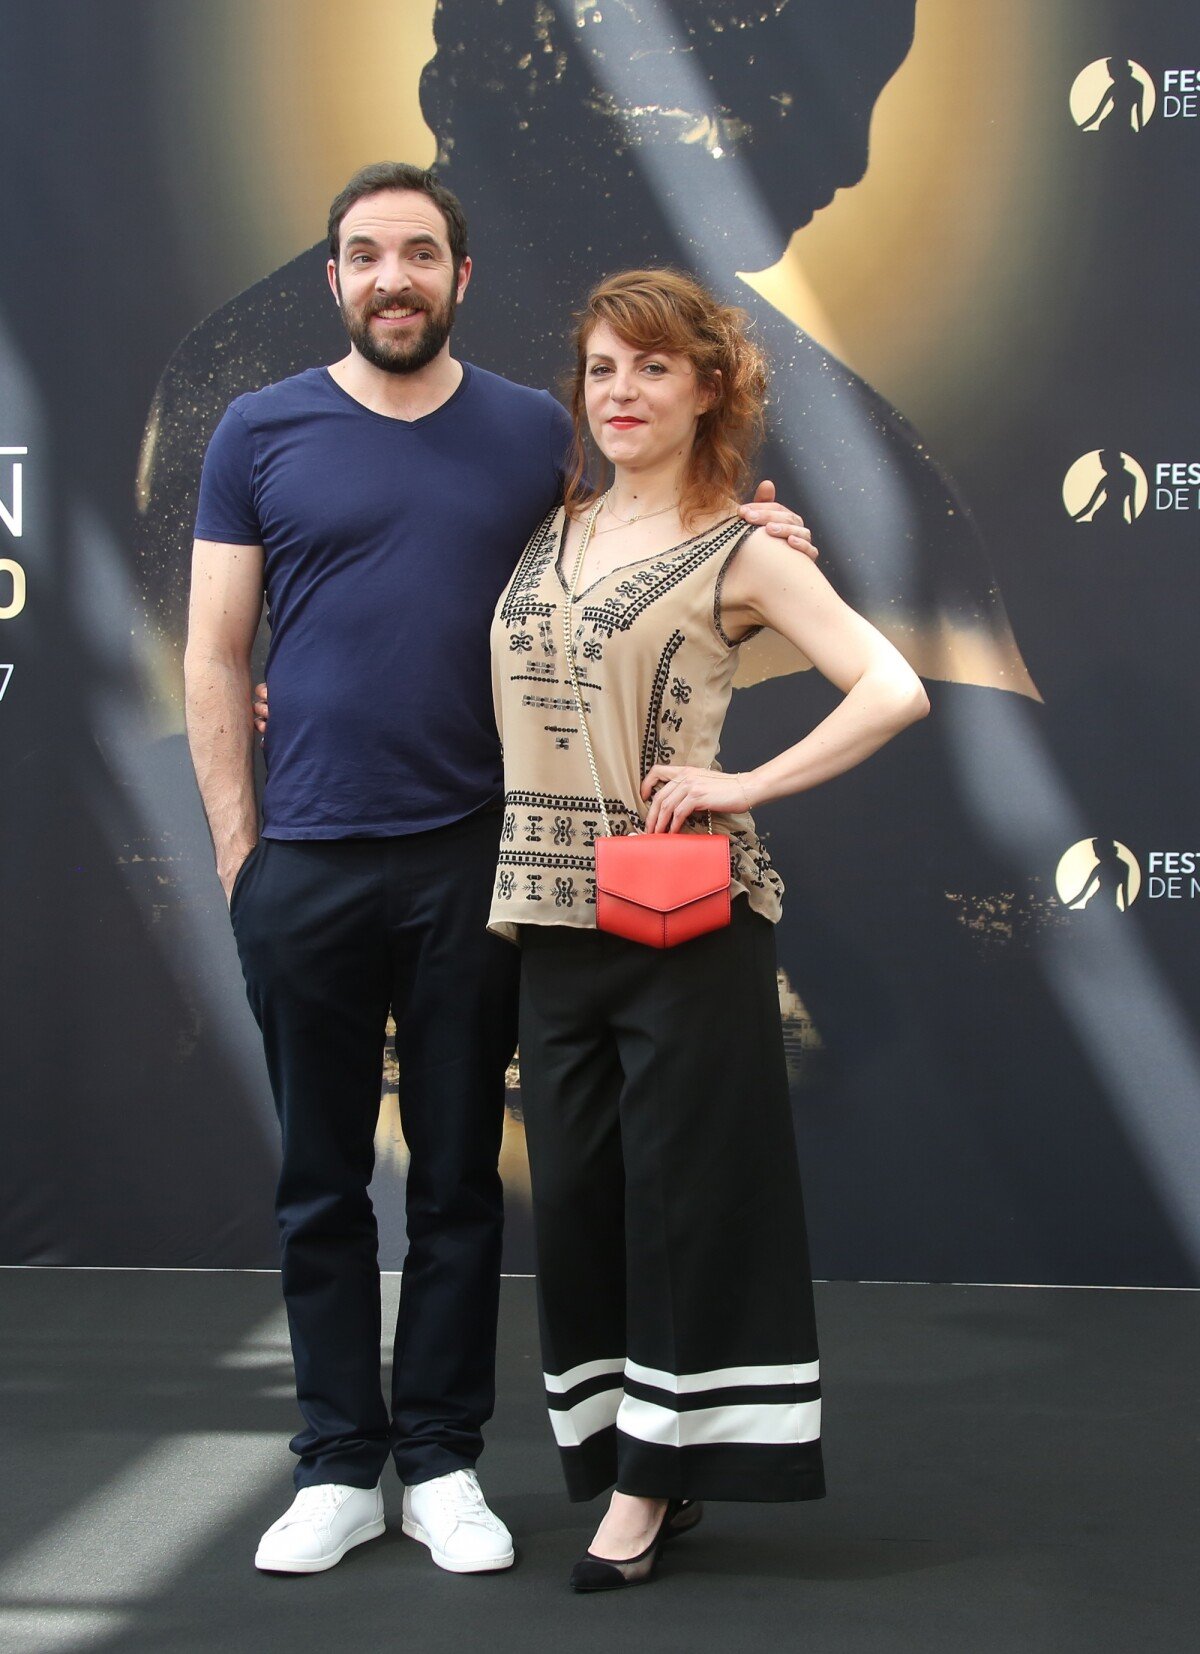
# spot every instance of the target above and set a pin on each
(598, 1573)
(682, 1516)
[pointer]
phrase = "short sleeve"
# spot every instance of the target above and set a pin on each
(226, 512)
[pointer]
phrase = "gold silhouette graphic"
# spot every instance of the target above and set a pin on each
(1112, 91)
(1101, 868)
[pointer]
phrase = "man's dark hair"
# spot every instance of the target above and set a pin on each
(399, 175)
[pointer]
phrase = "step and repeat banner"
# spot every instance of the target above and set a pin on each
(967, 234)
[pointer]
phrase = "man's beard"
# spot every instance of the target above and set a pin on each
(400, 354)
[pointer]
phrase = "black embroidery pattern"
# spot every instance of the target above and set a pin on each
(533, 858)
(520, 601)
(561, 830)
(635, 594)
(552, 703)
(562, 734)
(563, 801)
(654, 749)
(751, 866)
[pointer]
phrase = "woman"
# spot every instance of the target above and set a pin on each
(676, 1310)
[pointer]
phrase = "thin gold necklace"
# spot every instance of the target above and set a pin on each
(638, 517)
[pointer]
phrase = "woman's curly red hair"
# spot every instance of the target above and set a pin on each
(669, 311)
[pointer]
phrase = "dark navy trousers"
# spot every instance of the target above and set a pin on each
(332, 934)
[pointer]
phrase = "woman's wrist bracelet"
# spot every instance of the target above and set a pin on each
(741, 783)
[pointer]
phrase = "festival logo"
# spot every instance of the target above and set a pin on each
(1105, 486)
(1114, 93)
(1099, 870)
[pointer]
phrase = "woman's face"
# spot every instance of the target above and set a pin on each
(642, 406)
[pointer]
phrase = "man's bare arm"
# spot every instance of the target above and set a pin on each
(226, 602)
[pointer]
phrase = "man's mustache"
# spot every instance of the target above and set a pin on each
(403, 301)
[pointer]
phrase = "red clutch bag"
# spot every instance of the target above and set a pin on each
(662, 888)
(656, 888)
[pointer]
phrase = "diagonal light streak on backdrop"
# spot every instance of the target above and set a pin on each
(685, 86)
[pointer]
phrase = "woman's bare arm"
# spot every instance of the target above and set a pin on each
(767, 585)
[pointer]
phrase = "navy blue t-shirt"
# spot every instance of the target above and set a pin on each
(386, 545)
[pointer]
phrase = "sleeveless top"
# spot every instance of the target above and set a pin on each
(656, 673)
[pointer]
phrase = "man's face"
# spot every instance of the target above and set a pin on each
(394, 280)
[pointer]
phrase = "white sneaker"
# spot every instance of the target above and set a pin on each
(450, 1515)
(320, 1526)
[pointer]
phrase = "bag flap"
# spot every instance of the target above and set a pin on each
(663, 871)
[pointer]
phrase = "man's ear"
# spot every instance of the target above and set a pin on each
(464, 276)
(331, 273)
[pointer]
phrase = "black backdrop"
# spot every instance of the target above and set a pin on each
(988, 1084)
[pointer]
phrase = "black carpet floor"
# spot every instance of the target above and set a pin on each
(1010, 1471)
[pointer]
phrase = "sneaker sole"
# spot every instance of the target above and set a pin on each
(318, 1564)
(452, 1566)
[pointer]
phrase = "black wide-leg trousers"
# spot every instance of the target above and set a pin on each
(678, 1336)
(332, 934)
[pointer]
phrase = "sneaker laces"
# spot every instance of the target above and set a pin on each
(315, 1504)
(462, 1497)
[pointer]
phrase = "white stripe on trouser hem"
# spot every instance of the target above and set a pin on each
(573, 1425)
(557, 1384)
(724, 1378)
(767, 1424)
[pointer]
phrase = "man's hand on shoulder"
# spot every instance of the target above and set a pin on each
(765, 512)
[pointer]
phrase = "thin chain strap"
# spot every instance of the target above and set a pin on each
(569, 648)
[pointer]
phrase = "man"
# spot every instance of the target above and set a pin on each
(381, 504)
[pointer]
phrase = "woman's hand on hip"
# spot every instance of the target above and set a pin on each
(678, 791)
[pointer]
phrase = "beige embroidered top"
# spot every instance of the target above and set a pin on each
(656, 673)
